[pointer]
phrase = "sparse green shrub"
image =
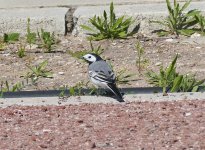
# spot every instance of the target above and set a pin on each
(62, 94)
(170, 80)
(21, 51)
(201, 20)
(141, 62)
(190, 84)
(47, 40)
(77, 89)
(11, 37)
(2, 45)
(38, 71)
(179, 22)
(4, 87)
(109, 28)
(30, 36)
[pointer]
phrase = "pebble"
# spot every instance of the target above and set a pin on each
(61, 73)
(46, 130)
(114, 44)
(198, 47)
(169, 40)
(8, 54)
(187, 114)
(158, 64)
(195, 35)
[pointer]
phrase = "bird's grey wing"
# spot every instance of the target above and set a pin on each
(101, 71)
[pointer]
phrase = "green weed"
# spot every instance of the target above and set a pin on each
(11, 37)
(178, 22)
(38, 71)
(141, 62)
(109, 28)
(169, 79)
(30, 36)
(4, 87)
(21, 51)
(63, 90)
(47, 40)
(201, 20)
(2, 45)
(190, 84)
(77, 89)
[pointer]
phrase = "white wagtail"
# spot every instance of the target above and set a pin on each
(101, 74)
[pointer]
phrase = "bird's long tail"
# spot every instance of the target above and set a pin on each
(116, 91)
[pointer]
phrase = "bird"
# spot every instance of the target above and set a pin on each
(101, 74)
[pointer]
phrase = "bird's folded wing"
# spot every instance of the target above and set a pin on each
(102, 77)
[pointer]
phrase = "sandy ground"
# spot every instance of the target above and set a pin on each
(120, 53)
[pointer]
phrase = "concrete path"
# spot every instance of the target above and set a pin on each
(54, 3)
(15, 20)
(142, 13)
(43, 101)
(50, 14)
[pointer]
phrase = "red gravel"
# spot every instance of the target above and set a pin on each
(130, 126)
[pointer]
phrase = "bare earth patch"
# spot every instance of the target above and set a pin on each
(138, 125)
(121, 53)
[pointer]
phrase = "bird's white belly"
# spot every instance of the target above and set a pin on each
(98, 83)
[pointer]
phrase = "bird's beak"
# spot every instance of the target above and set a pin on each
(82, 57)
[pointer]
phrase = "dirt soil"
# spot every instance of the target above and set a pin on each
(126, 126)
(121, 53)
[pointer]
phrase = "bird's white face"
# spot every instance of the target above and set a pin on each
(90, 58)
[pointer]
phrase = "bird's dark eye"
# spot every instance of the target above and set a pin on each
(89, 57)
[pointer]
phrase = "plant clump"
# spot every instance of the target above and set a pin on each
(38, 71)
(172, 81)
(109, 28)
(179, 22)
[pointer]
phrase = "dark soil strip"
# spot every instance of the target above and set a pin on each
(51, 93)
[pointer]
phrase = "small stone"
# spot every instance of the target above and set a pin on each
(195, 35)
(114, 44)
(61, 73)
(187, 114)
(8, 54)
(169, 40)
(46, 130)
(158, 64)
(198, 47)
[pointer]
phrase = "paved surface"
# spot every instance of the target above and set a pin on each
(36, 101)
(15, 20)
(54, 3)
(50, 14)
(142, 13)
